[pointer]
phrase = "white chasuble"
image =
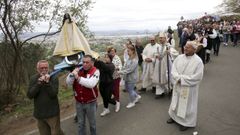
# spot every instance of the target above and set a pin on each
(149, 51)
(160, 76)
(187, 73)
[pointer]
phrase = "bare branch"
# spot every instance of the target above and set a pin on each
(5, 34)
(1, 5)
(13, 26)
(50, 26)
(6, 10)
(44, 34)
(50, 21)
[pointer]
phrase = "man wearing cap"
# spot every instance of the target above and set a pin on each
(187, 72)
(161, 65)
(148, 55)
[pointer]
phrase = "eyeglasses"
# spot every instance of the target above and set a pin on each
(43, 68)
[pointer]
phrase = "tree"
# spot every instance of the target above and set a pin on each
(231, 6)
(19, 17)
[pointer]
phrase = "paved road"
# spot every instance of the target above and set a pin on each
(218, 111)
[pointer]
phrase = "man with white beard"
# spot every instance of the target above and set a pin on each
(187, 73)
(148, 56)
(163, 62)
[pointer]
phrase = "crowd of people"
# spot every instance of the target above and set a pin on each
(210, 32)
(164, 70)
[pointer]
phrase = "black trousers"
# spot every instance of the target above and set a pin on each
(106, 90)
(202, 54)
(216, 45)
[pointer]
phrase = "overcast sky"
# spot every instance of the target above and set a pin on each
(145, 14)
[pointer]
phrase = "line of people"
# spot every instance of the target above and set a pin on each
(186, 74)
(84, 82)
(214, 32)
(161, 65)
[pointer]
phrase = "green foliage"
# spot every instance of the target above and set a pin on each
(230, 18)
(32, 53)
(24, 106)
(81, 17)
(65, 94)
(20, 16)
(17, 57)
(231, 6)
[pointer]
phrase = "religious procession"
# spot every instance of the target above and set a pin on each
(119, 67)
(167, 68)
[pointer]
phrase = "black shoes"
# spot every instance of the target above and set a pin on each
(183, 128)
(208, 58)
(76, 119)
(215, 53)
(159, 96)
(142, 90)
(153, 89)
(170, 121)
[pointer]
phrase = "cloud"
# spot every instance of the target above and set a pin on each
(145, 14)
(142, 14)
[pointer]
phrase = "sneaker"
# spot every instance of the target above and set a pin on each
(117, 106)
(137, 99)
(130, 105)
(105, 112)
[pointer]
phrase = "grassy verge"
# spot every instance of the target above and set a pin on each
(24, 107)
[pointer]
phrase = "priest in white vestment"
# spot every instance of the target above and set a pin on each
(161, 66)
(187, 73)
(149, 53)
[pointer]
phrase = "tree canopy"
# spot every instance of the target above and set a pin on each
(21, 16)
(231, 6)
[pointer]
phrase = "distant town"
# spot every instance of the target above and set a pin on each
(100, 41)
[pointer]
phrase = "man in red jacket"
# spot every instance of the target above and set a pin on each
(84, 82)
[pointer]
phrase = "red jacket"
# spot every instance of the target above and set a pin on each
(82, 94)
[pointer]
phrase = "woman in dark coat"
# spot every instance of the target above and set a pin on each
(106, 68)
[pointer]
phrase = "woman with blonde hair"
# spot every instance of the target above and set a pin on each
(130, 75)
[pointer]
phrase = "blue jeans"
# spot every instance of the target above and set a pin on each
(235, 38)
(225, 38)
(130, 88)
(88, 110)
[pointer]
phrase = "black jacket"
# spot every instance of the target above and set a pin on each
(45, 97)
(139, 53)
(106, 71)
